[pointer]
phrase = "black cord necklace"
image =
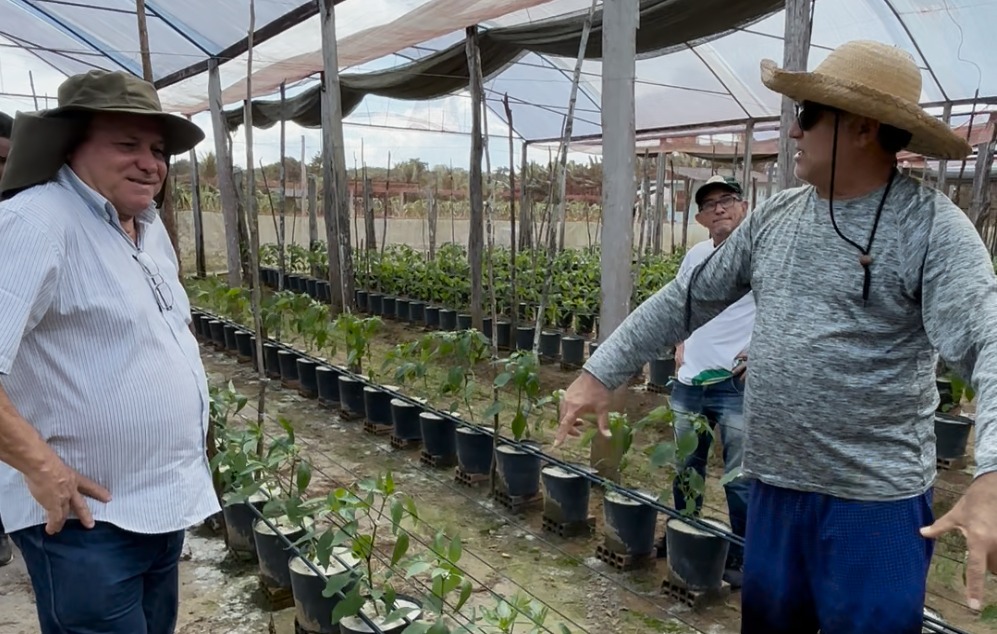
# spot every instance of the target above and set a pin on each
(865, 259)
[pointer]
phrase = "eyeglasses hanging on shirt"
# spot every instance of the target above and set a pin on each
(160, 289)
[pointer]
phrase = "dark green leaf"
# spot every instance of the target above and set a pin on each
(336, 583)
(401, 547)
(349, 606)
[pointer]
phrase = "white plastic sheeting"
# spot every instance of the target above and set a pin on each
(718, 81)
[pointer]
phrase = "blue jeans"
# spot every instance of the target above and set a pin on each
(813, 561)
(104, 580)
(722, 404)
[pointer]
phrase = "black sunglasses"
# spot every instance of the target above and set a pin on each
(808, 114)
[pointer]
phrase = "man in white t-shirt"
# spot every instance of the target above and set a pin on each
(711, 364)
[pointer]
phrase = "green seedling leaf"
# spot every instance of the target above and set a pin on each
(401, 547)
(336, 583)
(349, 606)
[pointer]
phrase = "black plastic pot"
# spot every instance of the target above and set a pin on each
(584, 324)
(239, 521)
(324, 291)
(245, 343)
(572, 350)
(217, 329)
(524, 337)
(629, 525)
(327, 384)
(202, 327)
(518, 471)
(377, 405)
(475, 450)
(524, 311)
(312, 611)
(486, 327)
(311, 287)
(951, 435)
(274, 554)
(696, 558)
(566, 494)
(945, 396)
(388, 307)
(271, 360)
(448, 319)
(361, 299)
(355, 625)
(432, 314)
(196, 318)
(291, 282)
(351, 399)
(662, 370)
(503, 334)
(417, 312)
(289, 367)
(550, 344)
(402, 309)
(228, 332)
(439, 435)
(463, 321)
(405, 420)
(307, 379)
(374, 303)
(593, 346)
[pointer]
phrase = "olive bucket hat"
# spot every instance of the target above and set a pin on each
(41, 141)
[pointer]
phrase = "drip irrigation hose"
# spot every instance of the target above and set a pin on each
(929, 621)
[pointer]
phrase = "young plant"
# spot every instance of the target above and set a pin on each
(446, 577)
(358, 331)
(361, 512)
(464, 350)
(671, 454)
(506, 615)
(412, 362)
(521, 375)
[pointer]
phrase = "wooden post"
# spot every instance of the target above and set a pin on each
(979, 203)
(143, 41)
(943, 165)
(282, 194)
(513, 299)
(195, 198)
(749, 133)
(226, 181)
(312, 211)
(659, 202)
(368, 214)
(619, 47)
(303, 187)
(475, 238)
(795, 53)
(334, 190)
(525, 224)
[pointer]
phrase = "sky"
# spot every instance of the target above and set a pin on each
(18, 68)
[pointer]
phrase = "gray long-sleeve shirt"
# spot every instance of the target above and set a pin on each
(841, 394)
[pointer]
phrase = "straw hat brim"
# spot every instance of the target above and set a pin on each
(929, 136)
(40, 142)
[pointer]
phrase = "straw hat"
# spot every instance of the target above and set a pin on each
(41, 141)
(872, 80)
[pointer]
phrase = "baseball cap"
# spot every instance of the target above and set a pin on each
(718, 182)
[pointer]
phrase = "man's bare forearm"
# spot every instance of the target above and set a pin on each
(20, 445)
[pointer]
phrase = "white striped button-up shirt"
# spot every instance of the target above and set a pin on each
(96, 353)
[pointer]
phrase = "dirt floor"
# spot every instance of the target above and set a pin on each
(502, 552)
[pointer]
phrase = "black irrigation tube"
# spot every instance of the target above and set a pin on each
(550, 460)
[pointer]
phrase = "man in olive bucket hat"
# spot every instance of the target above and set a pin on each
(103, 397)
(861, 279)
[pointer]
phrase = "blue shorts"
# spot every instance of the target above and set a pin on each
(814, 562)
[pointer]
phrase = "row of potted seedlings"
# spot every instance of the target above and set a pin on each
(521, 470)
(327, 550)
(555, 345)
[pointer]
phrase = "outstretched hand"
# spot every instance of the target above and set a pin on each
(60, 491)
(975, 516)
(585, 397)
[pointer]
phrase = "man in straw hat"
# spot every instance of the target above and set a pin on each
(861, 279)
(104, 400)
